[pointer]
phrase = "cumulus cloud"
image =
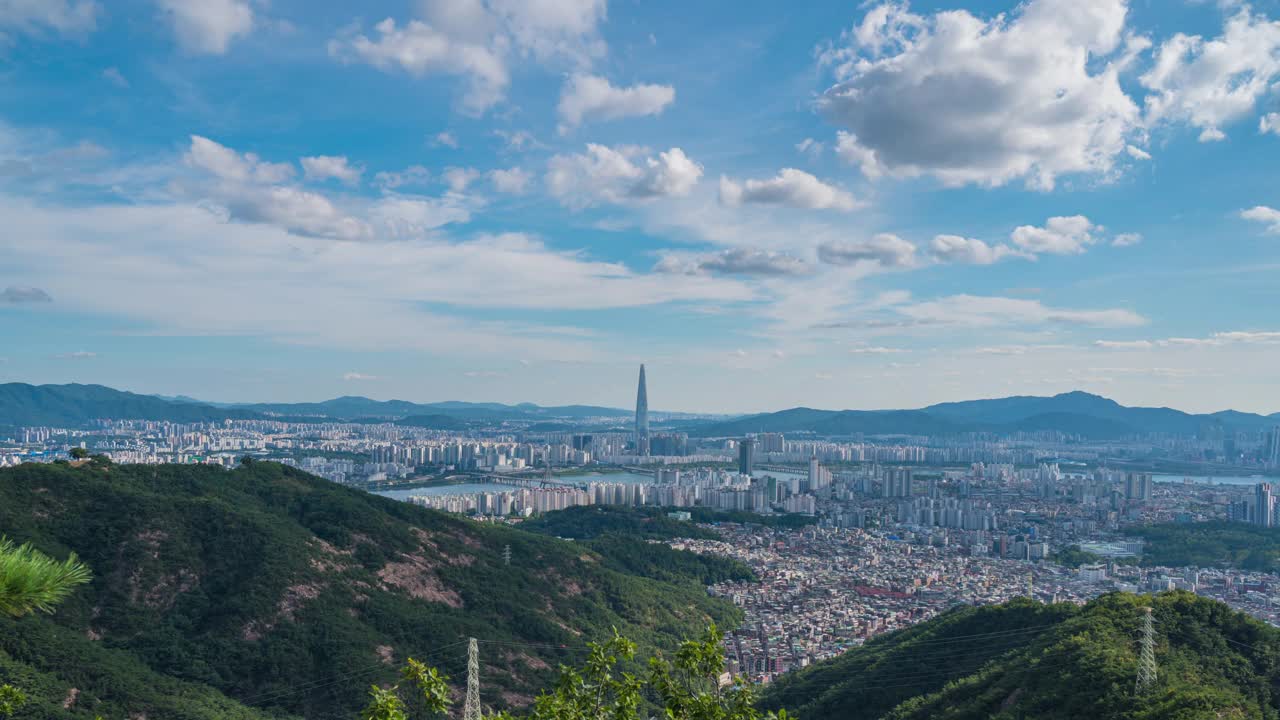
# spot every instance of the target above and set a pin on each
(1060, 236)
(620, 174)
(954, 248)
(512, 181)
(1137, 153)
(478, 41)
(459, 178)
(420, 49)
(227, 164)
(66, 17)
(76, 355)
(885, 249)
(358, 376)
(810, 147)
(1030, 95)
(1126, 239)
(337, 167)
(590, 97)
(1266, 215)
(208, 26)
(735, 261)
(412, 175)
(409, 216)
(791, 187)
(249, 191)
(1269, 123)
(16, 294)
(298, 211)
(445, 139)
(1212, 83)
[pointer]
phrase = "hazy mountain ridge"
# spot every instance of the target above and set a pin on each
(1076, 412)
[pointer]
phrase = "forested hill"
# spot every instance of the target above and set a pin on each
(1050, 662)
(291, 595)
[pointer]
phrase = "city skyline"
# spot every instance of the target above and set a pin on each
(804, 207)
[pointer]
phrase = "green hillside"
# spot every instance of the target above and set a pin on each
(293, 594)
(1027, 660)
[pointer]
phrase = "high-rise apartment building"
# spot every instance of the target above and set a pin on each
(642, 416)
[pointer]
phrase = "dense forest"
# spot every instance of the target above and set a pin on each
(266, 591)
(1050, 662)
(1211, 544)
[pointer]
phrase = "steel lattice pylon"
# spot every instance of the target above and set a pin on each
(1147, 655)
(471, 709)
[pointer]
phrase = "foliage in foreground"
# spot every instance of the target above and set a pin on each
(31, 581)
(689, 687)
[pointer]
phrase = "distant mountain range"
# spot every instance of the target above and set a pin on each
(1077, 413)
(24, 404)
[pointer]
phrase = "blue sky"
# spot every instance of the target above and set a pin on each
(840, 205)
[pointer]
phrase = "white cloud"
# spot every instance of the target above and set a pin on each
(77, 355)
(358, 376)
(1211, 83)
(1137, 153)
(479, 40)
(586, 97)
(1124, 344)
(445, 139)
(337, 167)
(208, 26)
(810, 147)
(115, 259)
(1060, 236)
(410, 216)
(298, 211)
(791, 187)
(227, 164)
(1269, 123)
(954, 248)
(412, 175)
(458, 178)
(512, 181)
(248, 191)
(1265, 215)
(885, 249)
(115, 77)
(735, 261)
(876, 350)
(1217, 339)
(419, 49)
(1126, 239)
(67, 17)
(1028, 95)
(982, 311)
(619, 175)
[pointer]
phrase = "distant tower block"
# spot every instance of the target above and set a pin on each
(642, 417)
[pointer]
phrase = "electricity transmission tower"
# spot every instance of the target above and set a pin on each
(1147, 656)
(471, 708)
(506, 555)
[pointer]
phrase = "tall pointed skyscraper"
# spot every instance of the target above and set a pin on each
(642, 417)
